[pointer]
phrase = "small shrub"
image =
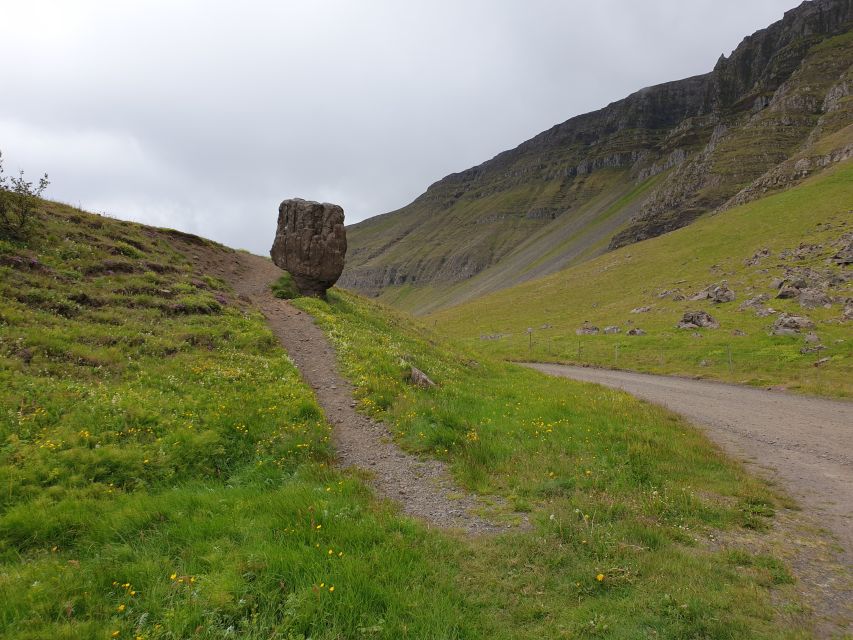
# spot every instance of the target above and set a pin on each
(17, 201)
(284, 287)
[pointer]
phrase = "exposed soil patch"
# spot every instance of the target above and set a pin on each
(422, 487)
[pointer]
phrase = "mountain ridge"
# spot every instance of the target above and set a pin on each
(666, 154)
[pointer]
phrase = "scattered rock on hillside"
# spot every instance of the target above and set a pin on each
(757, 257)
(641, 310)
(636, 331)
(738, 332)
(776, 283)
(675, 294)
(697, 320)
(821, 362)
(721, 293)
(420, 379)
(787, 325)
(587, 330)
(310, 243)
(765, 311)
(844, 256)
(815, 348)
(812, 338)
(788, 292)
(806, 250)
(756, 301)
(612, 329)
(811, 298)
(700, 295)
(848, 313)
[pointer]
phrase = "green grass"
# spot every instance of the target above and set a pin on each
(614, 487)
(164, 473)
(605, 290)
(284, 287)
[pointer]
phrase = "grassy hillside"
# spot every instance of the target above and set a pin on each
(642, 166)
(801, 229)
(164, 473)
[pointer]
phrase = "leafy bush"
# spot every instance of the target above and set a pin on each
(17, 201)
(284, 287)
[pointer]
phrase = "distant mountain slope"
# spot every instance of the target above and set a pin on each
(640, 167)
(788, 253)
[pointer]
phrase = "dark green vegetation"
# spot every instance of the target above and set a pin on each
(284, 287)
(801, 229)
(18, 199)
(165, 474)
(776, 109)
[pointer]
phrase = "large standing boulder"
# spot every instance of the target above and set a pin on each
(310, 244)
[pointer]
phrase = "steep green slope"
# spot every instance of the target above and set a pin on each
(642, 166)
(791, 235)
(166, 474)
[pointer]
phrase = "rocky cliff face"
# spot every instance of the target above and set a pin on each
(637, 168)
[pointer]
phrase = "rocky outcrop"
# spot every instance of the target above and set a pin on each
(787, 325)
(697, 320)
(310, 244)
(694, 145)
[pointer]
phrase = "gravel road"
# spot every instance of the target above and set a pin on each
(804, 444)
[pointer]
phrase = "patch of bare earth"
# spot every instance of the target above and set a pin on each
(423, 488)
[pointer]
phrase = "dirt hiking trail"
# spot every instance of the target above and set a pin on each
(422, 487)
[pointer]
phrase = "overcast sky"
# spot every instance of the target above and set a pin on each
(203, 115)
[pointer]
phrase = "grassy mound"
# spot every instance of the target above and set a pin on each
(800, 229)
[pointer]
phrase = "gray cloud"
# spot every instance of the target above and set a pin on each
(203, 115)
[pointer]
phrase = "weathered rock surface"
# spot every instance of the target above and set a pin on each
(787, 325)
(844, 256)
(721, 293)
(587, 330)
(420, 379)
(696, 320)
(310, 244)
(636, 331)
(811, 298)
(612, 329)
(708, 137)
(755, 301)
